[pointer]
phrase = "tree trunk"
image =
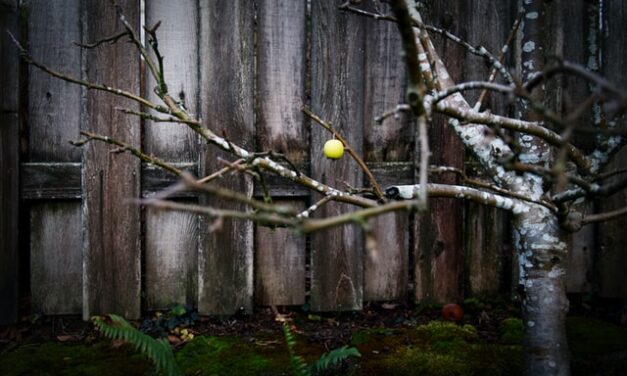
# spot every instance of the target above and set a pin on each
(542, 256)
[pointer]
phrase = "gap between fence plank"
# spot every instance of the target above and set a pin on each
(9, 163)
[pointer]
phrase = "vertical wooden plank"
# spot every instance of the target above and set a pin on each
(484, 227)
(484, 235)
(439, 245)
(570, 27)
(386, 270)
(612, 257)
(9, 168)
(225, 282)
(54, 115)
(280, 264)
(56, 281)
(280, 254)
(337, 88)
(172, 238)
(112, 237)
(178, 43)
(171, 254)
(54, 106)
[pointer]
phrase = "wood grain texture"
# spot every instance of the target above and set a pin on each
(281, 78)
(280, 264)
(63, 180)
(54, 118)
(280, 255)
(172, 238)
(112, 237)
(568, 35)
(56, 262)
(178, 43)
(612, 257)
(44, 181)
(337, 69)
(9, 166)
(438, 251)
(227, 81)
(485, 228)
(171, 256)
(485, 266)
(386, 269)
(54, 106)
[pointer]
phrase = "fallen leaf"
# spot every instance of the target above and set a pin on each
(117, 343)
(65, 338)
(173, 339)
(389, 305)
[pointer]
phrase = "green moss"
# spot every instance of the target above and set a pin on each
(586, 335)
(365, 335)
(597, 347)
(437, 348)
(436, 331)
(474, 304)
(222, 356)
(53, 358)
(511, 330)
(412, 361)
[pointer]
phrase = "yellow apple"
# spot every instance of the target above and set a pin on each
(333, 149)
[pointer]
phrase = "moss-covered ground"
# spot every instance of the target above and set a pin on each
(434, 348)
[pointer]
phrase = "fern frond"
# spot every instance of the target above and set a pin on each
(158, 351)
(299, 367)
(333, 358)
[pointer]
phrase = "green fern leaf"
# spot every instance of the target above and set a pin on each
(333, 358)
(158, 351)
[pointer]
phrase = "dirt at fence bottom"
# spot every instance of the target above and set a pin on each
(391, 340)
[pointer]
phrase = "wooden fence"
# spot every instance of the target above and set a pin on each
(70, 240)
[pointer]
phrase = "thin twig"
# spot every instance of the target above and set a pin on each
(156, 119)
(102, 87)
(392, 112)
(494, 71)
(602, 217)
(349, 150)
(220, 172)
(122, 147)
(112, 39)
(307, 212)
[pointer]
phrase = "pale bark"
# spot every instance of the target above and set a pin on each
(542, 254)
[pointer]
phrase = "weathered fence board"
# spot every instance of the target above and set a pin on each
(9, 159)
(54, 109)
(386, 271)
(171, 238)
(485, 231)
(569, 28)
(171, 258)
(438, 248)
(280, 264)
(227, 81)
(612, 257)
(280, 254)
(337, 69)
(112, 224)
(56, 262)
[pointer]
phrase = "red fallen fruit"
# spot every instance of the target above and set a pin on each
(452, 312)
